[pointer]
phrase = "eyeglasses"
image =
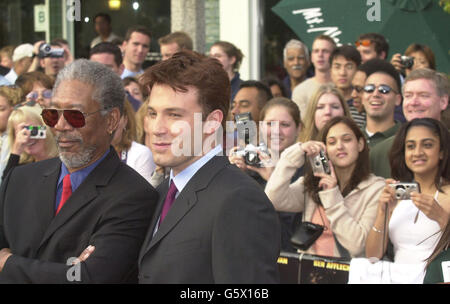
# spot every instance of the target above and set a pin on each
(75, 118)
(364, 42)
(358, 89)
(382, 88)
(47, 94)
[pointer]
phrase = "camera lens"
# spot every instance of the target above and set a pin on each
(34, 131)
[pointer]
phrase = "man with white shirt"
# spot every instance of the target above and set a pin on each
(102, 24)
(322, 47)
(213, 224)
(135, 48)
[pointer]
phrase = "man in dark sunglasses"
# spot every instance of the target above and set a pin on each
(381, 94)
(81, 217)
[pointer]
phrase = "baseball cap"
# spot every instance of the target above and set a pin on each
(22, 51)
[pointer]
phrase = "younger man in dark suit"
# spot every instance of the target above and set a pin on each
(50, 211)
(221, 228)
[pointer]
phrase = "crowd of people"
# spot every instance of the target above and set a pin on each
(85, 143)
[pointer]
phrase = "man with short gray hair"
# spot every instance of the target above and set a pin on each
(81, 217)
(296, 62)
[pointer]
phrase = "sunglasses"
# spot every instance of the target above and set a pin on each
(47, 94)
(364, 42)
(75, 118)
(358, 89)
(382, 88)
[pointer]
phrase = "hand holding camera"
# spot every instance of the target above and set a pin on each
(320, 164)
(402, 62)
(24, 133)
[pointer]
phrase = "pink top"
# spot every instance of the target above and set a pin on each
(324, 245)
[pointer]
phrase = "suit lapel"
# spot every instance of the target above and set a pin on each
(186, 200)
(45, 207)
(84, 194)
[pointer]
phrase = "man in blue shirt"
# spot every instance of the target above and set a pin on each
(51, 211)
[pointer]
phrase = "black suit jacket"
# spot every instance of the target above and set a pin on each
(222, 228)
(111, 210)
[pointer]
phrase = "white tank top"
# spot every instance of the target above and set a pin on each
(413, 241)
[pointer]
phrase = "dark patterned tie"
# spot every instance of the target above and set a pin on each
(170, 198)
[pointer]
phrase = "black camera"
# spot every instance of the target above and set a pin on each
(306, 234)
(319, 163)
(407, 61)
(46, 50)
(403, 190)
(37, 132)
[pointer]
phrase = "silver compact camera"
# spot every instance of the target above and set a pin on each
(407, 61)
(250, 154)
(319, 163)
(37, 132)
(46, 50)
(403, 190)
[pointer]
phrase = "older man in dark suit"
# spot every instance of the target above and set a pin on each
(51, 211)
(213, 223)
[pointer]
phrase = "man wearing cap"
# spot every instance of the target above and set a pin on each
(22, 58)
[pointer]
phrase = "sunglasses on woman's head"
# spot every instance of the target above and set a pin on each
(75, 118)
(382, 88)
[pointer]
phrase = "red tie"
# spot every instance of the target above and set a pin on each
(170, 198)
(66, 192)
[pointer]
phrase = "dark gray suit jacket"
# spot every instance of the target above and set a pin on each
(111, 210)
(222, 228)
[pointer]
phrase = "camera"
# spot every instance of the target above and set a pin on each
(407, 61)
(403, 190)
(37, 132)
(250, 154)
(246, 129)
(319, 163)
(45, 50)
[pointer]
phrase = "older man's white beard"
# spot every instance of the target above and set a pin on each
(77, 160)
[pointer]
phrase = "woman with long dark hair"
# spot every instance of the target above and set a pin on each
(413, 225)
(344, 201)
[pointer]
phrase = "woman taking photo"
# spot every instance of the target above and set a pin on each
(413, 225)
(344, 201)
(277, 137)
(286, 114)
(24, 148)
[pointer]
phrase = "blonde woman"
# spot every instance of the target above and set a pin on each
(135, 155)
(325, 104)
(25, 149)
(10, 96)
